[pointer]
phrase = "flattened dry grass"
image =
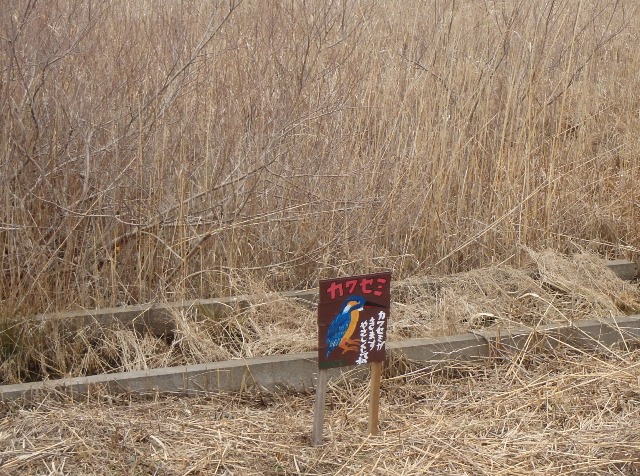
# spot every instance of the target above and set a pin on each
(551, 289)
(560, 413)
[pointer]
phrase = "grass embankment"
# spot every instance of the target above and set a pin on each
(165, 150)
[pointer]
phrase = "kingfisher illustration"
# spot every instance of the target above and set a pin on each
(344, 325)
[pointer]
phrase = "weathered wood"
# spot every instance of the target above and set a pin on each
(374, 397)
(318, 409)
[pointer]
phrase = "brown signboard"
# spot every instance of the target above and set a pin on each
(352, 320)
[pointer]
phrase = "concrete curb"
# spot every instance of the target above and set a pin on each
(626, 270)
(297, 371)
(159, 319)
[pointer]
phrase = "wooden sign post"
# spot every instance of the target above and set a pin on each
(318, 409)
(374, 397)
(352, 330)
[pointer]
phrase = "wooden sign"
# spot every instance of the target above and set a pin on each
(352, 330)
(352, 320)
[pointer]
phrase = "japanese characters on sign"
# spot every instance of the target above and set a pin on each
(352, 320)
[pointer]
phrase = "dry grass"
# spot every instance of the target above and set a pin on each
(151, 151)
(154, 151)
(561, 413)
(551, 289)
(159, 150)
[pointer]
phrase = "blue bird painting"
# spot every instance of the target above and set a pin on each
(344, 325)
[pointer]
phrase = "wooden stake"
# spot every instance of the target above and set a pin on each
(318, 411)
(374, 397)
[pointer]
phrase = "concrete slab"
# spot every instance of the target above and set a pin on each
(626, 270)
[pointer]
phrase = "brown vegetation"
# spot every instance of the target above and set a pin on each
(154, 151)
(159, 150)
(550, 414)
(551, 290)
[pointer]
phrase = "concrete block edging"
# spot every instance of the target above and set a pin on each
(297, 371)
(159, 318)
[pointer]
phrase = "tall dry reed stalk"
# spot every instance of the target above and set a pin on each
(160, 150)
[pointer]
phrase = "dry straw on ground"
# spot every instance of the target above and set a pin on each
(551, 289)
(549, 414)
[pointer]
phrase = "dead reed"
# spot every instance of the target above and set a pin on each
(160, 150)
